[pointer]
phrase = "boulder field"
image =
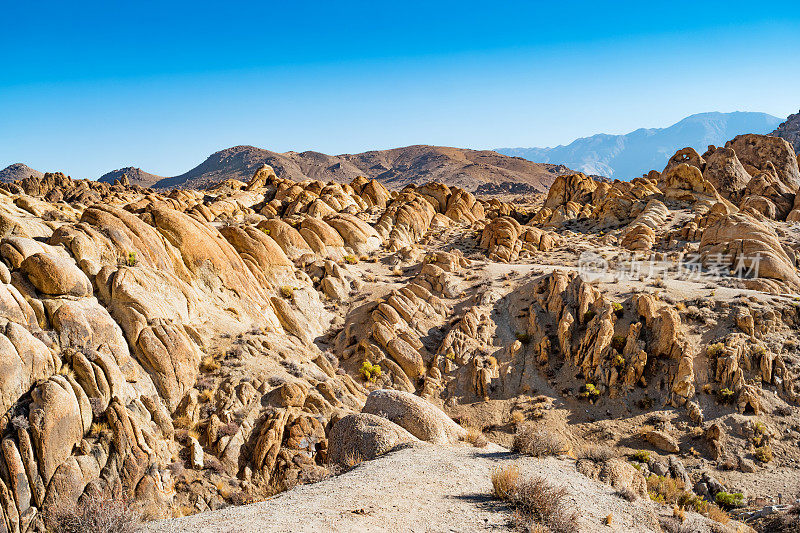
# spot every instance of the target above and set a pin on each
(189, 350)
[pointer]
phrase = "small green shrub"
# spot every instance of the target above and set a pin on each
(618, 342)
(589, 315)
(589, 392)
(287, 291)
(643, 456)
(131, 260)
(369, 371)
(729, 500)
(524, 338)
(350, 259)
(451, 355)
(619, 361)
(618, 309)
(725, 395)
(715, 349)
(763, 453)
(266, 231)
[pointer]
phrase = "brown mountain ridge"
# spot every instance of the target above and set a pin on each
(18, 171)
(395, 168)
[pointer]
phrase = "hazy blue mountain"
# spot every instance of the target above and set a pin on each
(628, 156)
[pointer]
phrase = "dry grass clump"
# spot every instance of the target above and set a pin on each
(95, 514)
(98, 428)
(528, 440)
(718, 515)
(505, 481)
(475, 437)
(206, 395)
(352, 460)
(597, 453)
(664, 489)
(209, 364)
(627, 494)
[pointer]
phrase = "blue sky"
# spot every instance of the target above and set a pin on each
(160, 85)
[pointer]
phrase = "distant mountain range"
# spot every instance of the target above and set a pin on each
(512, 170)
(628, 156)
(395, 168)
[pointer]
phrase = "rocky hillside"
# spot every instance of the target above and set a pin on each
(131, 175)
(18, 171)
(633, 154)
(790, 130)
(179, 352)
(468, 169)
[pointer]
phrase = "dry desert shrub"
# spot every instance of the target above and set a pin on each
(597, 453)
(627, 493)
(538, 505)
(763, 453)
(209, 364)
(352, 460)
(664, 489)
(96, 514)
(716, 514)
(528, 440)
(505, 481)
(538, 502)
(475, 437)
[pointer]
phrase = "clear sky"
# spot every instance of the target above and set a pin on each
(88, 87)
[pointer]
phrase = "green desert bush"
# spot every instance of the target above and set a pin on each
(729, 500)
(589, 392)
(715, 349)
(369, 371)
(643, 456)
(763, 453)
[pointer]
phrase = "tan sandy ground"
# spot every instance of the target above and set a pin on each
(420, 488)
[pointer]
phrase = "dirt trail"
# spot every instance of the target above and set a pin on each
(421, 488)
